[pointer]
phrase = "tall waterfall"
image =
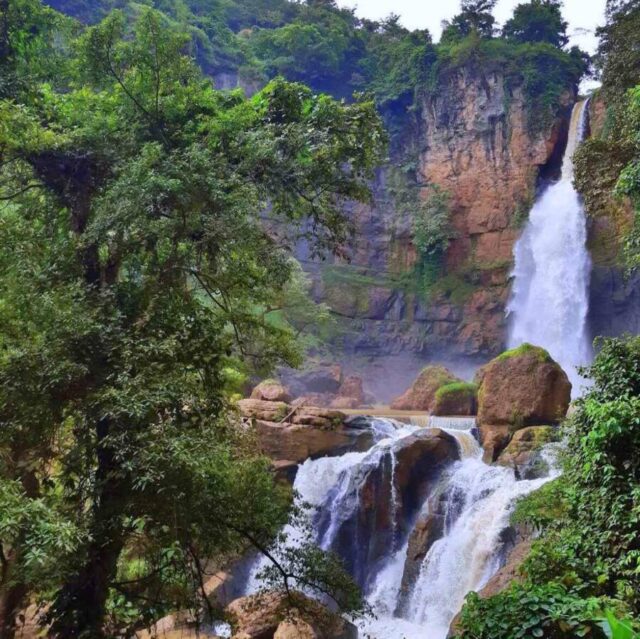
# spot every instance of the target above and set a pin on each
(476, 499)
(550, 297)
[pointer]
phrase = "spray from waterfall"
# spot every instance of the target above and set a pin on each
(550, 298)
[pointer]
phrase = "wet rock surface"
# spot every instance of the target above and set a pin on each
(523, 387)
(421, 396)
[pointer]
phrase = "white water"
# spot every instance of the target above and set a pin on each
(478, 501)
(550, 298)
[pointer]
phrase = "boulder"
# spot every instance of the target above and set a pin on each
(457, 398)
(265, 410)
(523, 451)
(509, 573)
(389, 490)
(352, 387)
(317, 378)
(429, 527)
(271, 390)
(494, 440)
(291, 444)
(523, 387)
(320, 417)
(273, 615)
(422, 394)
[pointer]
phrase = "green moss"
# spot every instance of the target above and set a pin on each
(455, 287)
(457, 389)
(526, 349)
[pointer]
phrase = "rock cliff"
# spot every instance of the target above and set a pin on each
(473, 140)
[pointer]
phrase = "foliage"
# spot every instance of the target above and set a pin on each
(537, 21)
(542, 507)
(607, 166)
(549, 611)
(586, 561)
(432, 230)
(526, 349)
(140, 217)
(475, 17)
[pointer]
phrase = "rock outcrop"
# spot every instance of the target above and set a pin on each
(271, 390)
(457, 398)
(272, 615)
(422, 394)
(290, 434)
(523, 387)
(473, 140)
(523, 452)
(383, 498)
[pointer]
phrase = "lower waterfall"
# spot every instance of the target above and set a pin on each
(550, 299)
(476, 500)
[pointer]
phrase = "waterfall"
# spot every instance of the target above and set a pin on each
(550, 297)
(477, 500)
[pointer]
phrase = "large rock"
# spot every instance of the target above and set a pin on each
(265, 410)
(422, 394)
(523, 453)
(271, 390)
(523, 387)
(458, 398)
(389, 488)
(295, 443)
(494, 440)
(323, 378)
(352, 387)
(274, 616)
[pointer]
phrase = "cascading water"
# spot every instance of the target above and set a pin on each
(477, 500)
(550, 297)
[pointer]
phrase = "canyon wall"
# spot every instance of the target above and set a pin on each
(474, 140)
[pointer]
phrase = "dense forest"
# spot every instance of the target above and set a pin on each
(148, 221)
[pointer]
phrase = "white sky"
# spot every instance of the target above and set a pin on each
(582, 15)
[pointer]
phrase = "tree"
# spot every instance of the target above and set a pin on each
(475, 16)
(537, 21)
(136, 276)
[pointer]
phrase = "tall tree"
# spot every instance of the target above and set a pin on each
(538, 21)
(475, 16)
(131, 202)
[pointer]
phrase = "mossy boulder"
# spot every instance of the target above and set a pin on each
(457, 398)
(523, 453)
(522, 387)
(422, 394)
(271, 390)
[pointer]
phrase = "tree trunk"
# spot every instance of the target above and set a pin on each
(79, 608)
(12, 597)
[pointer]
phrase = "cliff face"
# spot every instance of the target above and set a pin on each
(614, 305)
(474, 142)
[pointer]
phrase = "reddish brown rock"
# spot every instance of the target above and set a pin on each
(494, 440)
(459, 398)
(523, 451)
(294, 443)
(352, 388)
(422, 394)
(274, 616)
(510, 573)
(261, 409)
(271, 390)
(523, 387)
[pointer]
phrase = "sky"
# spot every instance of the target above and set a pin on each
(583, 15)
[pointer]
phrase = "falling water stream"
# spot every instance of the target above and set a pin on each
(477, 498)
(550, 297)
